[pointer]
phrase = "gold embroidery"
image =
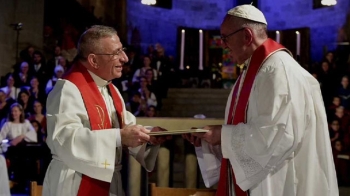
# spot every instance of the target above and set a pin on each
(105, 164)
(102, 116)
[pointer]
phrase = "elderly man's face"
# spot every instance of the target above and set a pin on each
(233, 40)
(110, 66)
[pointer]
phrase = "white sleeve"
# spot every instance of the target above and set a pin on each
(209, 161)
(48, 86)
(146, 156)
(4, 131)
(70, 137)
(30, 135)
(136, 76)
(261, 146)
(152, 100)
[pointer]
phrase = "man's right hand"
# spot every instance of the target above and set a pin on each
(134, 135)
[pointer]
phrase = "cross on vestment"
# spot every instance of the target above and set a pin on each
(105, 164)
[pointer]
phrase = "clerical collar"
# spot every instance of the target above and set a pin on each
(99, 81)
(247, 62)
(244, 65)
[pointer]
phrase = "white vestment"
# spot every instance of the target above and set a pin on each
(284, 148)
(77, 150)
(4, 178)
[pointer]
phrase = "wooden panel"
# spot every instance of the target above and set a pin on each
(162, 191)
(178, 123)
(35, 189)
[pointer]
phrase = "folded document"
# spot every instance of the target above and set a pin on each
(178, 132)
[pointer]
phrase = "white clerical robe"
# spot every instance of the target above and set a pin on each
(284, 148)
(4, 178)
(77, 150)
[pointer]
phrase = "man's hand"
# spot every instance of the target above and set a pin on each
(157, 140)
(196, 141)
(134, 135)
(213, 136)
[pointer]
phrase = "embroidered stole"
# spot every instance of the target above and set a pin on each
(239, 107)
(98, 117)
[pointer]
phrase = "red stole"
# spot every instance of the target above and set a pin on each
(238, 114)
(98, 116)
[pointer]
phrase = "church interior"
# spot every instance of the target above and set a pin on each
(178, 75)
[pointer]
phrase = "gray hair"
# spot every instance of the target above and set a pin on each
(259, 28)
(89, 40)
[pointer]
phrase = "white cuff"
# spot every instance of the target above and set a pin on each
(118, 138)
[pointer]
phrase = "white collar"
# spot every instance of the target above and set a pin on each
(99, 81)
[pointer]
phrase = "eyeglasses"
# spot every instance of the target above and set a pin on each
(224, 38)
(115, 55)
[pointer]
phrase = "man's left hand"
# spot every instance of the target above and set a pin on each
(157, 140)
(213, 136)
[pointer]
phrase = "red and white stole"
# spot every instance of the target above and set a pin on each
(239, 107)
(99, 119)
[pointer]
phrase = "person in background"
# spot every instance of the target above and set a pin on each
(17, 129)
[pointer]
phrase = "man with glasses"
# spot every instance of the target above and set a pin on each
(275, 140)
(88, 125)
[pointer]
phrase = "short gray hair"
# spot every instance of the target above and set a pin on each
(259, 28)
(89, 40)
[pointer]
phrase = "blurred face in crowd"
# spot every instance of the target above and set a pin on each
(325, 66)
(35, 126)
(336, 101)
(57, 51)
(16, 113)
(329, 56)
(30, 51)
(62, 61)
(147, 61)
(338, 146)
(335, 125)
(149, 74)
(37, 107)
(59, 74)
(2, 96)
(10, 81)
(136, 98)
(151, 112)
(24, 67)
(340, 110)
(34, 82)
(109, 67)
(37, 58)
(24, 97)
(345, 82)
(143, 82)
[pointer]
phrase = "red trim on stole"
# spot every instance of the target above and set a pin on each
(99, 119)
(239, 114)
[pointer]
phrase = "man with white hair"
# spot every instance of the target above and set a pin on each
(275, 140)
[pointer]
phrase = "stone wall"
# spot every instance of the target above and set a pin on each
(159, 25)
(31, 14)
(324, 23)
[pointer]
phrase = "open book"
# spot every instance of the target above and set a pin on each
(178, 132)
